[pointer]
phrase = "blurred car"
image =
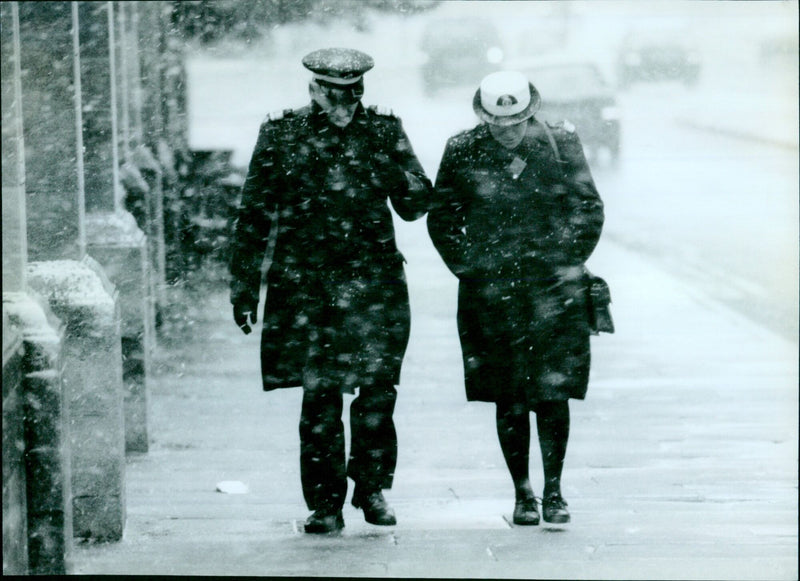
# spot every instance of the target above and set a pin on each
(459, 51)
(577, 90)
(780, 48)
(658, 56)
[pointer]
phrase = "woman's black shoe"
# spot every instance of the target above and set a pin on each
(554, 509)
(376, 510)
(526, 512)
(324, 521)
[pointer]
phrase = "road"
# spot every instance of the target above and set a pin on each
(720, 211)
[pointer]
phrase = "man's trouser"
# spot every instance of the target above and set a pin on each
(373, 442)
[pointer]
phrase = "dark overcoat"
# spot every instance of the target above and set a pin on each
(504, 222)
(337, 302)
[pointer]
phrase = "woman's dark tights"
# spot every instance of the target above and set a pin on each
(514, 432)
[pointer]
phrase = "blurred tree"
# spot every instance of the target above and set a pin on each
(403, 6)
(213, 20)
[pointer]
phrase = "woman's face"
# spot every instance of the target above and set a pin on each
(509, 136)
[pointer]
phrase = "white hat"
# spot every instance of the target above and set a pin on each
(506, 98)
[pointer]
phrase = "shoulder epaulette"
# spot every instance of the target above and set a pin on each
(278, 115)
(463, 134)
(463, 138)
(384, 111)
(564, 124)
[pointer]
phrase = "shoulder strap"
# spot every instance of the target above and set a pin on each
(552, 141)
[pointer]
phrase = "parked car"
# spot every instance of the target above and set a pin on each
(459, 51)
(658, 56)
(577, 91)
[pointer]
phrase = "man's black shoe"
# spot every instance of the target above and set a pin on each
(526, 512)
(324, 521)
(554, 509)
(376, 510)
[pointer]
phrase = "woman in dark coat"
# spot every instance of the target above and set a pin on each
(517, 214)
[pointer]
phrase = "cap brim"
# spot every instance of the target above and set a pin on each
(526, 113)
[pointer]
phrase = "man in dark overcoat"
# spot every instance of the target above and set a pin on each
(336, 318)
(517, 215)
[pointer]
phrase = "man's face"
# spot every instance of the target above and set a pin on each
(509, 136)
(338, 103)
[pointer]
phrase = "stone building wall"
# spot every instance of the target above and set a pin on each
(93, 115)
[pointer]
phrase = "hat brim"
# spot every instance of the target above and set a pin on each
(503, 120)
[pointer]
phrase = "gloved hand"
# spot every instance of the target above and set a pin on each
(240, 315)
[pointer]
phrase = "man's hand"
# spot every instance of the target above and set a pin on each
(240, 315)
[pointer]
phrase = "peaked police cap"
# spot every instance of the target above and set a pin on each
(338, 66)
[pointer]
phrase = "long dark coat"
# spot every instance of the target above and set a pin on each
(503, 228)
(337, 302)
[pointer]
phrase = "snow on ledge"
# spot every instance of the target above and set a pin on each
(71, 284)
(113, 229)
(27, 315)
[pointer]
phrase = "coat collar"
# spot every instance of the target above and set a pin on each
(319, 120)
(534, 139)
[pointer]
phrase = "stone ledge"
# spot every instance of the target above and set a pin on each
(113, 229)
(75, 293)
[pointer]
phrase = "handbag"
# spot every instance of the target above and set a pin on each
(598, 295)
(598, 301)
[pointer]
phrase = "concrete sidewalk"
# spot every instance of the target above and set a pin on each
(682, 460)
